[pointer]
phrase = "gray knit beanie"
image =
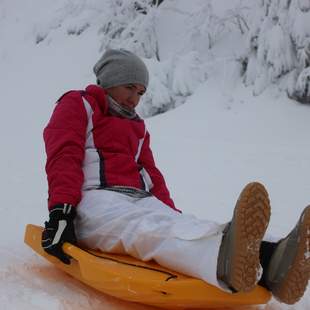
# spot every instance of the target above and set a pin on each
(119, 67)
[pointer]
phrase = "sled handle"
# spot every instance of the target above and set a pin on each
(73, 251)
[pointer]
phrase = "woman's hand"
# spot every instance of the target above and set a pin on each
(58, 230)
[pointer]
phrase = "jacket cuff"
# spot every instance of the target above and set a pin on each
(61, 199)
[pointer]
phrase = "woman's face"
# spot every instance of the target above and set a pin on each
(127, 95)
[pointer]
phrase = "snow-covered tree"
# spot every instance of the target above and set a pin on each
(131, 25)
(206, 25)
(279, 47)
(172, 81)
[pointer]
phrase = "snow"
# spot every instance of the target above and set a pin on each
(278, 36)
(208, 148)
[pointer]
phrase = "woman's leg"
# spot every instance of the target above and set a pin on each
(287, 262)
(266, 251)
(147, 229)
(239, 257)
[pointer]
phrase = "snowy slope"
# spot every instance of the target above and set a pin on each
(208, 148)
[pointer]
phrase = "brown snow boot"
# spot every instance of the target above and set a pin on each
(289, 268)
(238, 261)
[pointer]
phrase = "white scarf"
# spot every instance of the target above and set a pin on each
(117, 109)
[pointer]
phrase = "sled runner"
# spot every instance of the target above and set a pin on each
(148, 283)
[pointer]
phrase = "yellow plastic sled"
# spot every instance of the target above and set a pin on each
(148, 283)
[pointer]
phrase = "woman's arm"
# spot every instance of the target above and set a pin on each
(64, 139)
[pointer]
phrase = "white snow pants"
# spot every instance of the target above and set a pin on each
(148, 229)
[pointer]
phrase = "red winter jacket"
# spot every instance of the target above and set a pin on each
(87, 148)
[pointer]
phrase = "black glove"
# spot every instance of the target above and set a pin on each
(58, 230)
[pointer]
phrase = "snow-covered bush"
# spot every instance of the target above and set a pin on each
(171, 82)
(275, 33)
(121, 23)
(301, 91)
(131, 25)
(212, 21)
(279, 47)
(205, 25)
(73, 17)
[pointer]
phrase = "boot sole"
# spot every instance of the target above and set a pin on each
(250, 221)
(295, 283)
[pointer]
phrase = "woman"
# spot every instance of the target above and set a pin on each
(105, 192)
